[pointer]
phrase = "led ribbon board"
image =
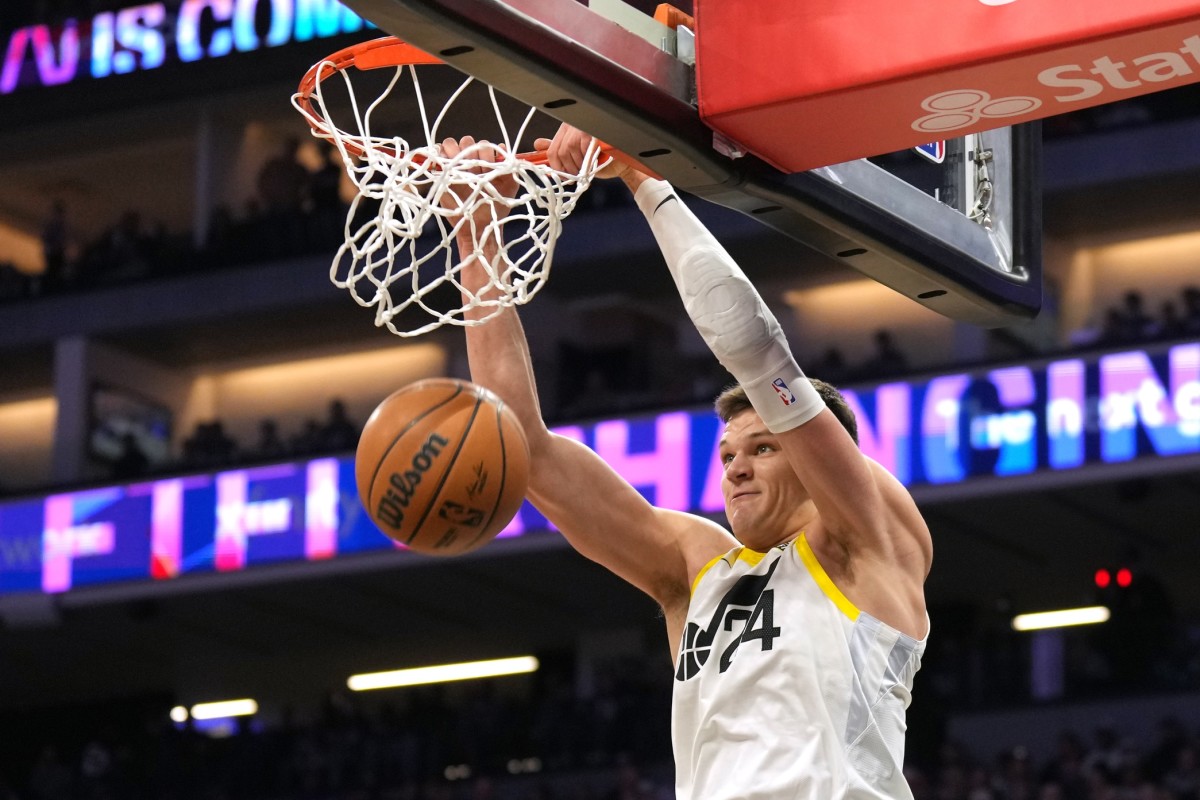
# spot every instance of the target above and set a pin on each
(145, 37)
(979, 426)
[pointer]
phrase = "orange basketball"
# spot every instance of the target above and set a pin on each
(442, 466)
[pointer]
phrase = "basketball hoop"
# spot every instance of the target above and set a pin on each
(404, 257)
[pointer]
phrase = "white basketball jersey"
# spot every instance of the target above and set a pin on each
(785, 690)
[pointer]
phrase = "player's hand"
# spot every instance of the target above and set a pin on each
(568, 149)
(501, 186)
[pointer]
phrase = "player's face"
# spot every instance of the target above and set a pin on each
(763, 497)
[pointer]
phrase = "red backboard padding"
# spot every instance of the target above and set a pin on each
(806, 84)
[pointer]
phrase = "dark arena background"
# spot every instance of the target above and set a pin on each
(181, 392)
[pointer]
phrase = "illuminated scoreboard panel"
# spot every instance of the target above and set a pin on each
(147, 36)
(983, 426)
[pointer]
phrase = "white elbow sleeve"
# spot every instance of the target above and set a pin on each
(728, 312)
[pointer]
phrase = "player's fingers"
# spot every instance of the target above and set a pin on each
(561, 149)
(554, 153)
(563, 152)
(450, 147)
(475, 150)
(572, 161)
(506, 185)
(491, 152)
(582, 141)
(541, 144)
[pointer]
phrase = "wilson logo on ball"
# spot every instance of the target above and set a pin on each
(401, 486)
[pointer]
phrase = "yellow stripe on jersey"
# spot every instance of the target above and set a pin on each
(751, 557)
(822, 578)
(704, 569)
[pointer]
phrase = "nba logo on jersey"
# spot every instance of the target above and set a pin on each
(781, 389)
(934, 151)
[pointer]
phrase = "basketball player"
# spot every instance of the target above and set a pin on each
(796, 638)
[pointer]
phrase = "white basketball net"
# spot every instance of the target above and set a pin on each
(406, 257)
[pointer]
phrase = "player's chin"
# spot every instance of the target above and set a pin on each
(749, 532)
(741, 525)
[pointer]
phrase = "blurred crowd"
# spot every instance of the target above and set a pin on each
(295, 211)
(1108, 766)
(210, 447)
(550, 744)
(426, 743)
(1131, 322)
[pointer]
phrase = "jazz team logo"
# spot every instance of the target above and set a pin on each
(748, 604)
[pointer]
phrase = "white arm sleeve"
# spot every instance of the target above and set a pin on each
(728, 312)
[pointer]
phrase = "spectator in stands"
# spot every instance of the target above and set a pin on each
(132, 462)
(122, 254)
(1105, 758)
(1065, 770)
(1133, 323)
(283, 188)
(980, 785)
(338, 433)
(630, 783)
(283, 182)
(220, 241)
(55, 241)
(97, 768)
(832, 366)
(888, 359)
(1164, 754)
(1015, 778)
(308, 440)
(1183, 779)
(222, 447)
(918, 782)
(270, 444)
(209, 446)
(157, 249)
(1114, 330)
(1170, 323)
(1191, 311)
(328, 210)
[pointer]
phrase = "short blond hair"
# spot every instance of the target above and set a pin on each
(733, 401)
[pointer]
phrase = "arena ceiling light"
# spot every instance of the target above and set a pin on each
(1089, 615)
(469, 670)
(224, 708)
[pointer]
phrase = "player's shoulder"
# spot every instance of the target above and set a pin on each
(908, 534)
(892, 488)
(698, 538)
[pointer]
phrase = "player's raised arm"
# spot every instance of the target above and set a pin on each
(862, 512)
(600, 514)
